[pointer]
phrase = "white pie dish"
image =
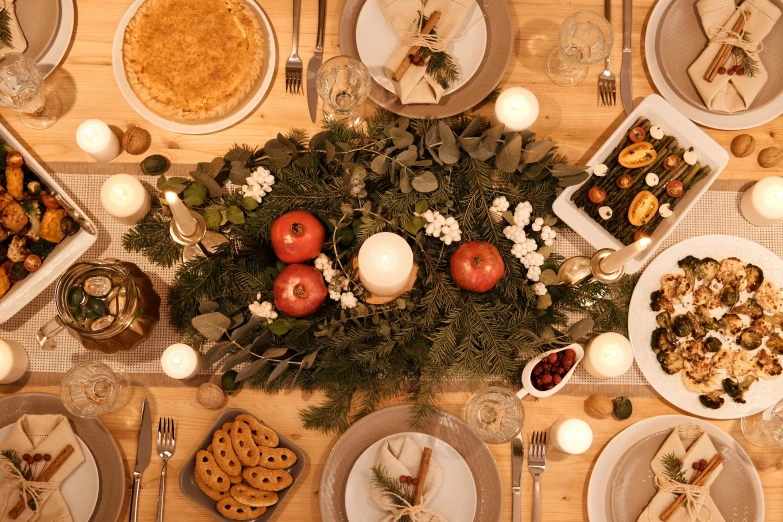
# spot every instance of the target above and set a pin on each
(527, 383)
(661, 113)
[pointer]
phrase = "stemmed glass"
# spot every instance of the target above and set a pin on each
(91, 389)
(765, 428)
(495, 414)
(22, 89)
(343, 85)
(585, 38)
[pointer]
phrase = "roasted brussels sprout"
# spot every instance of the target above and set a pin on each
(664, 320)
(775, 343)
(698, 327)
(69, 226)
(750, 308)
(672, 362)
(754, 276)
(659, 302)
(689, 264)
(662, 341)
(711, 400)
(729, 296)
(706, 319)
(682, 326)
(749, 339)
(712, 344)
(734, 390)
(707, 269)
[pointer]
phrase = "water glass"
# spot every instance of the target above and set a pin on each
(343, 85)
(765, 428)
(22, 89)
(495, 414)
(585, 38)
(91, 389)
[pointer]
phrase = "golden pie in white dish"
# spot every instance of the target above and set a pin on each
(193, 61)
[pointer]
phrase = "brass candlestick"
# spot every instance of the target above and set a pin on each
(579, 269)
(200, 243)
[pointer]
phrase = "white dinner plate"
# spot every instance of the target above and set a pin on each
(455, 499)
(80, 489)
(599, 491)
(200, 128)
(641, 323)
(54, 55)
(376, 41)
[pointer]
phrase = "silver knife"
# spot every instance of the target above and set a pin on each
(142, 457)
(626, 76)
(516, 477)
(315, 62)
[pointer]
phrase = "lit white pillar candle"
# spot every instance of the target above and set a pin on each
(13, 361)
(516, 108)
(124, 197)
(385, 264)
(572, 436)
(617, 260)
(96, 139)
(180, 361)
(762, 204)
(608, 355)
(181, 215)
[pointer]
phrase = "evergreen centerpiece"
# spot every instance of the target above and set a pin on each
(439, 184)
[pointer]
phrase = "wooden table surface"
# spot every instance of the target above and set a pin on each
(85, 82)
(564, 484)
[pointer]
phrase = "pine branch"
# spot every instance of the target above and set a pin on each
(748, 64)
(673, 468)
(6, 38)
(441, 66)
(13, 457)
(392, 489)
(152, 237)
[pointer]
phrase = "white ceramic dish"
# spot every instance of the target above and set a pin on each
(80, 489)
(54, 55)
(203, 128)
(598, 490)
(455, 499)
(64, 255)
(659, 112)
(641, 323)
(376, 41)
(527, 384)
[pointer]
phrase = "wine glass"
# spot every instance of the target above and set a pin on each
(765, 428)
(91, 389)
(22, 89)
(495, 414)
(343, 85)
(585, 38)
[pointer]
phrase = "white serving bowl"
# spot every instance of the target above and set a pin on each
(527, 383)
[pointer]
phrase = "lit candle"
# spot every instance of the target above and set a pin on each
(180, 361)
(385, 264)
(608, 355)
(617, 260)
(181, 215)
(13, 361)
(124, 197)
(572, 436)
(96, 139)
(762, 204)
(516, 108)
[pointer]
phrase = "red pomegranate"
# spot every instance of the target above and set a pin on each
(299, 290)
(297, 236)
(477, 266)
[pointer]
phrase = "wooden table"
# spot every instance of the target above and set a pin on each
(564, 485)
(571, 115)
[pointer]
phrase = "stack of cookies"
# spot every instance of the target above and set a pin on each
(243, 468)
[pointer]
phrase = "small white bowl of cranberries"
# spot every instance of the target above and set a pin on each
(547, 373)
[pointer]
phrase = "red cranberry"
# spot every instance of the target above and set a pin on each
(722, 70)
(546, 379)
(538, 369)
(552, 358)
(567, 363)
(415, 482)
(561, 370)
(557, 379)
(549, 386)
(403, 479)
(546, 367)
(570, 353)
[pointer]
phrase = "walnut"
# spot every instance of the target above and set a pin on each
(743, 145)
(769, 157)
(136, 140)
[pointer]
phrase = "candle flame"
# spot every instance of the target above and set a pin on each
(385, 259)
(645, 242)
(171, 196)
(121, 193)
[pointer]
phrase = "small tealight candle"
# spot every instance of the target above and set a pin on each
(516, 108)
(180, 361)
(762, 204)
(96, 139)
(572, 436)
(181, 215)
(13, 361)
(608, 355)
(617, 260)
(124, 197)
(385, 264)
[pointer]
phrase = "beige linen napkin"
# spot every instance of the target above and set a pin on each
(18, 40)
(732, 93)
(42, 434)
(402, 456)
(690, 444)
(416, 86)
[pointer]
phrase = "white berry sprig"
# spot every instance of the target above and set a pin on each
(440, 226)
(338, 282)
(259, 184)
(265, 310)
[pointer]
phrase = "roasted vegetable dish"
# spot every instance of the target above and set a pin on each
(31, 220)
(719, 325)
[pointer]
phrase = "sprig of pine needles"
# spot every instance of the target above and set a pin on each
(6, 39)
(13, 457)
(392, 489)
(441, 66)
(673, 468)
(745, 60)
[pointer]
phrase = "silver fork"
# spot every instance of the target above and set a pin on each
(536, 464)
(293, 67)
(167, 442)
(607, 87)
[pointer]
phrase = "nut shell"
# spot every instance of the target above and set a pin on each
(743, 145)
(770, 157)
(623, 408)
(210, 396)
(136, 140)
(599, 406)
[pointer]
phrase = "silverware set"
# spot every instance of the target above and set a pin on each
(293, 67)
(607, 87)
(536, 464)
(607, 84)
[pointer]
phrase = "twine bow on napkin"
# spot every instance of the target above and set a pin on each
(399, 508)
(13, 478)
(696, 497)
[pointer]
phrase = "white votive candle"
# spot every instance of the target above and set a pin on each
(124, 197)
(13, 361)
(762, 204)
(385, 264)
(186, 223)
(96, 139)
(608, 355)
(572, 436)
(516, 108)
(617, 260)
(180, 361)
